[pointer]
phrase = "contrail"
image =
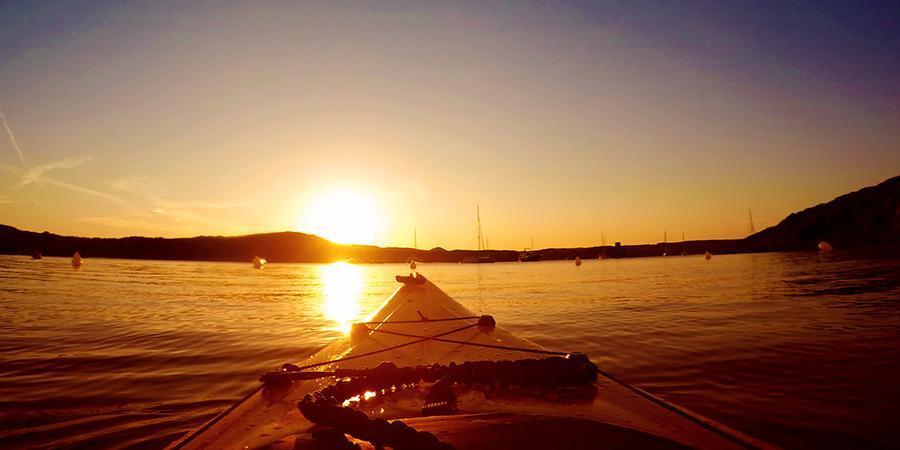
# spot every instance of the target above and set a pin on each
(16, 170)
(38, 172)
(12, 139)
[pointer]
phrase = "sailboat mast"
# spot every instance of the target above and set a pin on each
(665, 242)
(479, 236)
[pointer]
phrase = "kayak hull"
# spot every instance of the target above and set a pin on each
(596, 416)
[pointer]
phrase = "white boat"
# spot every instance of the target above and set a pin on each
(77, 262)
(421, 326)
(258, 262)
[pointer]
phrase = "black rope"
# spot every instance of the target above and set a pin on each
(325, 407)
(219, 417)
(735, 439)
(439, 337)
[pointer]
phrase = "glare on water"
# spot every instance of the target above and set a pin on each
(342, 288)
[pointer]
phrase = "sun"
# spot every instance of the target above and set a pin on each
(344, 217)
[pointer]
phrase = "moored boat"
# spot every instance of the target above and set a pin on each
(453, 380)
(478, 260)
(530, 256)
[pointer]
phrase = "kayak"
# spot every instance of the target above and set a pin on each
(421, 329)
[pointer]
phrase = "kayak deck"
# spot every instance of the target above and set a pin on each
(492, 431)
(612, 413)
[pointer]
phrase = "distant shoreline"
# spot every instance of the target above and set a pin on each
(869, 217)
(294, 247)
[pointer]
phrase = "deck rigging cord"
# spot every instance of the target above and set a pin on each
(291, 368)
(290, 371)
(396, 431)
(448, 319)
(326, 407)
(427, 442)
(474, 344)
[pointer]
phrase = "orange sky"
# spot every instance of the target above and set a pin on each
(363, 123)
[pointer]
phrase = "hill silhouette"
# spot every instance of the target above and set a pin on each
(302, 247)
(276, 247)
(868, 217)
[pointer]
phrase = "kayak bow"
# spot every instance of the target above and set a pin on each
(420, 325)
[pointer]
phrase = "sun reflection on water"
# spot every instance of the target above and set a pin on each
(342, 286)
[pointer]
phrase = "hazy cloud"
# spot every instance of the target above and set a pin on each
(145, 206)
(154, 193)
(137, 186)
(85, 190)
(162, 222)
(179, 215)
(112, 221)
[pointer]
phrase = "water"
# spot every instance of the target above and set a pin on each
(799, 349)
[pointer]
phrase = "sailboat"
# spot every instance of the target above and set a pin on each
(665, 243)
(602, 254)
(477, 260)
(481, 243)
(529, 255)
(258, 262)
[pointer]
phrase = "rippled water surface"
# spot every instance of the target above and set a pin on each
(799, 349)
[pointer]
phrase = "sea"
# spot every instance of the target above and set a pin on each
(798, 349)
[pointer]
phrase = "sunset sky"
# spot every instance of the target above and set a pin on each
(362, 121)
